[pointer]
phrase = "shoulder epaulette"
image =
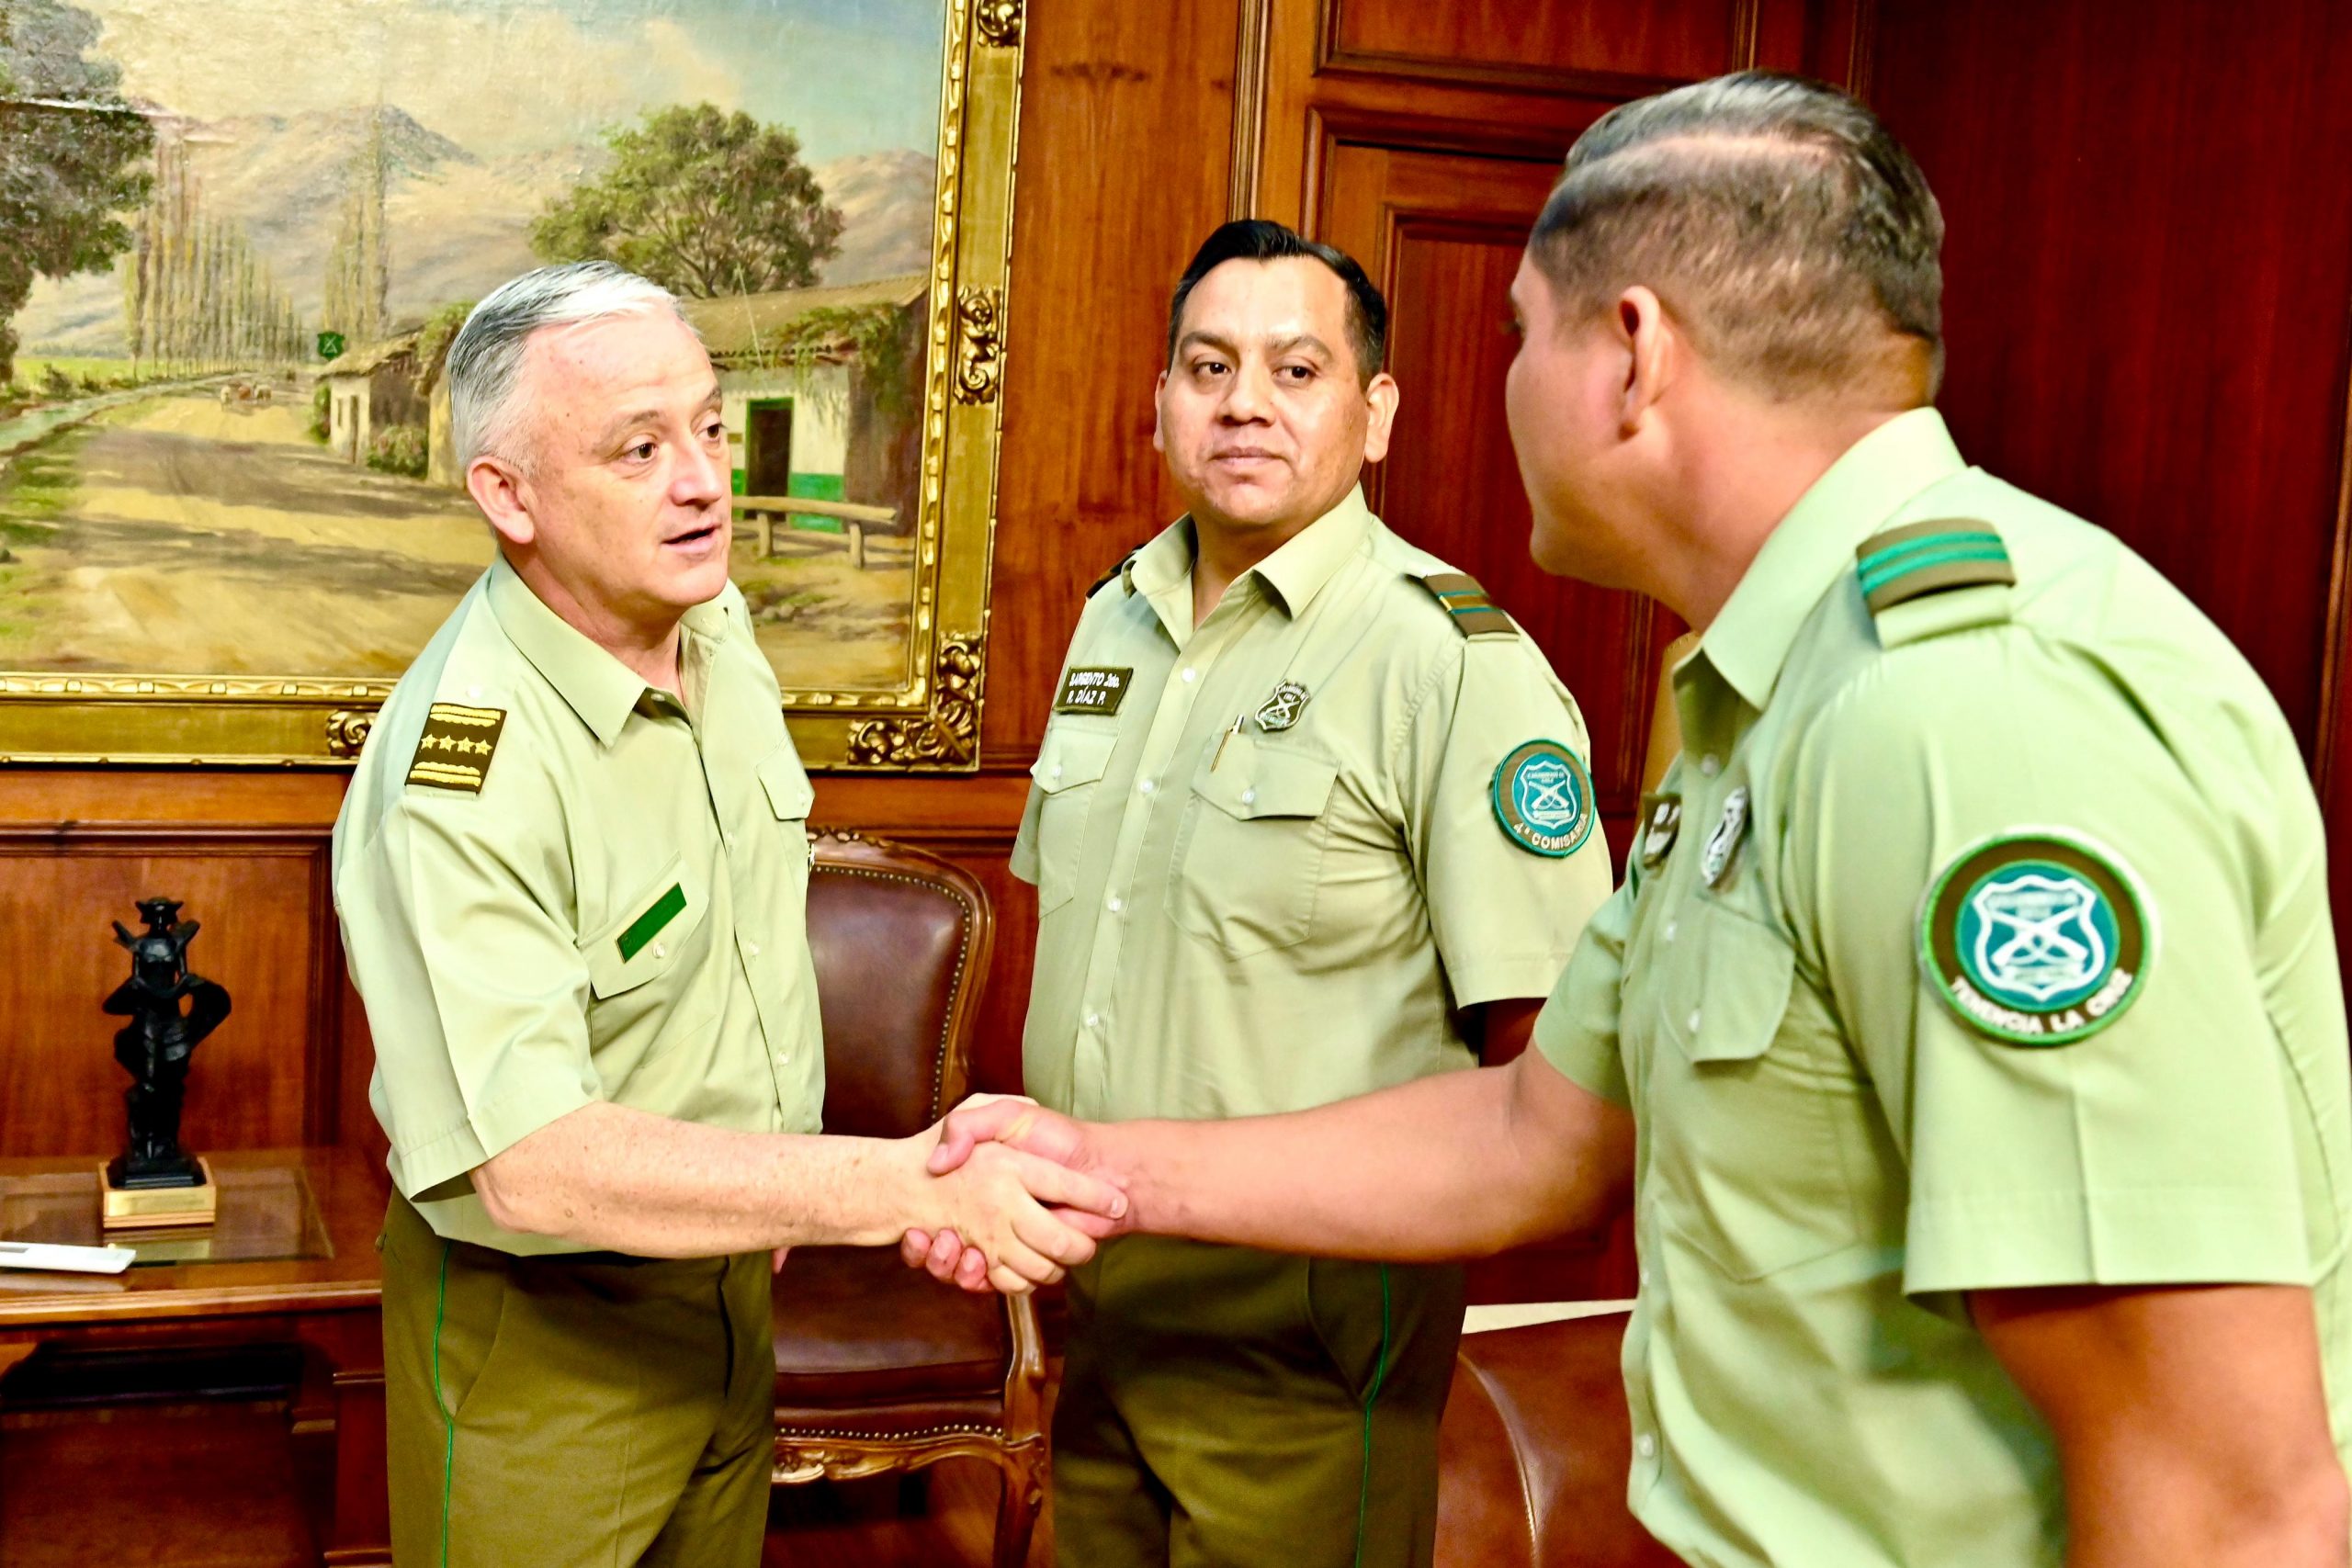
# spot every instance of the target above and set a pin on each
(1913, 579)
(1475, 615)
(454, 752)
(1098, 584)
(1919, 558)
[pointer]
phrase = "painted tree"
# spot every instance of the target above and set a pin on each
(703, 202)
(167, 301)
(359, 267)
(179, 302)
(138, 280)
(72, 155)
(195, 293)
(173, 293)
(208, 316)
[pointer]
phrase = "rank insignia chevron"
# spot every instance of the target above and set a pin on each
(1919, 558)
(1475, 615)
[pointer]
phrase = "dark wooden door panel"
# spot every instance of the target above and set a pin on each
(1516, 40)
(2147, 279)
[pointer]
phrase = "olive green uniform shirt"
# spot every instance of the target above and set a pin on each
(1239, 914)
(1832, 1148)
(612, 912)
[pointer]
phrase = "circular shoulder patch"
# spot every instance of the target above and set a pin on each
(1543, 796)
(2036, 939)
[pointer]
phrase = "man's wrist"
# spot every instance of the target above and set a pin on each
(1131, 1156)
(909, 1193)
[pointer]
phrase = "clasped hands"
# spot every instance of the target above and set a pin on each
(1035, 1206)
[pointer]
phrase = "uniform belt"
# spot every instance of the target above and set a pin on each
(690, 1266)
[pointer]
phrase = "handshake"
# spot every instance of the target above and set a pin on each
(1008, 1194)
(1025, 1198)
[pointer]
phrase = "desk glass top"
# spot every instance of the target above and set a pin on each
(267, 1213)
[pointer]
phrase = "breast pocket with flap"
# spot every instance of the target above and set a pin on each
(645, 969)
(791, 798)
(1249, 852)
(1069, 765)
(1746, 1096)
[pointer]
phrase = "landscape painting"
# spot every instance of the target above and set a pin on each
(251, 229)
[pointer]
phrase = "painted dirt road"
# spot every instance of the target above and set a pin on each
(176, 535)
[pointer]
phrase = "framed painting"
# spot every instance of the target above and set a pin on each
(228, 512)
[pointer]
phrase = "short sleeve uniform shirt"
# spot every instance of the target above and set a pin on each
(1276, 853)
(1978, 940)
(560, 886)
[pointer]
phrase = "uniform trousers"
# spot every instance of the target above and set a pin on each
(544, 1412)
(1223, 1408)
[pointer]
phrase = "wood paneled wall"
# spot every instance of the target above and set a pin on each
(2150, 291)
(248, 858)
(1126, 112)
(2149, 295)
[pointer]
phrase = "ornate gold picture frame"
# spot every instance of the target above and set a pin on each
(222, 439)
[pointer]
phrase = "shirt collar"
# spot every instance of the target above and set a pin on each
(1163, 563)
(1750, 638)
(1312, 557)
(600, 688)
(1297, 572)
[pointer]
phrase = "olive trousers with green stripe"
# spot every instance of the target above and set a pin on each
(1223, 1408)
(546, 1412)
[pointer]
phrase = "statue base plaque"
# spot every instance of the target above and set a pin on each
(127, 1207)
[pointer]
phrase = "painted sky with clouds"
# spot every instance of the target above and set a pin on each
(502, 77)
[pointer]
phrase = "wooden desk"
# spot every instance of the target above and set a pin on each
(295, 1263)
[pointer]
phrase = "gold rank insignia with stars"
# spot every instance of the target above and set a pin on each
(454, 752)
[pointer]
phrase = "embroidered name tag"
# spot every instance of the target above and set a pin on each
(1093, 689)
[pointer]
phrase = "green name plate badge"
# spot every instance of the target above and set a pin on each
(644, 929)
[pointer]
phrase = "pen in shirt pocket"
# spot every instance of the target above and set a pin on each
(1238, 720)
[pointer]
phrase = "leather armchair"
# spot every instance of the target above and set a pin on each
(880, 1368)
(1533, 1452)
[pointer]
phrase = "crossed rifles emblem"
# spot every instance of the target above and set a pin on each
(1282, 710)
(2037, 937)
(1550, 800)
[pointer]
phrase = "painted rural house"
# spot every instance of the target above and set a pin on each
(818, 402)
(369, 389)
